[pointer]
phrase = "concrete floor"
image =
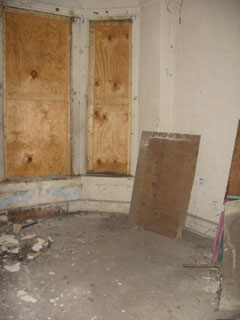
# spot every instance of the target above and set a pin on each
(98, 268)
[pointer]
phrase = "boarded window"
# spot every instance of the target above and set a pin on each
(37, 94)
(109, 97)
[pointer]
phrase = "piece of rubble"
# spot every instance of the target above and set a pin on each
(13, 268)
(14, 250)
(54, 300)
(28, 224)
(38, 245)
(33, 255)
(9, 244)
(8, 239)
(50, 239)
(23, 295)
(17, 227)
(29, 236)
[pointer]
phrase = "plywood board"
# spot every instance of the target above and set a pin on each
(35, 138)
(109, 96)
(163, 182)
(234, 175)
(37, 94)
(35, 47)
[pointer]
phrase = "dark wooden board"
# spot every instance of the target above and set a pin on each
(234, 174)
(163, 182)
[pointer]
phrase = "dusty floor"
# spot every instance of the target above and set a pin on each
(99, 268)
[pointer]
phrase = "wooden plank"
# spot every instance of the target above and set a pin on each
(37, 94)
(163, 182)
(109, 96)
(92, 36)
(234, 175)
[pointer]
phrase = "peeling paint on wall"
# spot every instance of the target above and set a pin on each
(16, 198)
(69, 193)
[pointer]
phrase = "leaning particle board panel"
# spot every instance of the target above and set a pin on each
(37, 94)
(163, 182)
(234, 175)
(231, 258)
(109, 97)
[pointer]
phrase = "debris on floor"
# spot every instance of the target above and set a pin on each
(14, 268)
(23, 295)
(18, 247)
(100, 268)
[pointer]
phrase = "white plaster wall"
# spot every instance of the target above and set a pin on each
(149, 77)
(206, 92)
(190, 83)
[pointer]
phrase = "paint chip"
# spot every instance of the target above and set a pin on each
(54, 300)
(23, 295)
(33, 255)
(13, 268)
(28, 236)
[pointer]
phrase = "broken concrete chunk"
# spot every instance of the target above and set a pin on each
(23, 295)
(38, 245)
(8, 239)
(33, 255)
(17, 227)
(14, 250)
(13, 268)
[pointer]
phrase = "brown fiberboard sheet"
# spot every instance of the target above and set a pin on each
(163, 182)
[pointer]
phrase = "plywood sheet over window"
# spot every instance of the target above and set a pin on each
(109, 97)
(37, 94)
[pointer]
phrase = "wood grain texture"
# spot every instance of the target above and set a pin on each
(109, 96)
(163, 182)
(35, 47)
(234, 175)
(37, 94)
(35, 138)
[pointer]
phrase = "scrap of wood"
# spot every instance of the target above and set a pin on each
(29, 224)
(186, 265)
